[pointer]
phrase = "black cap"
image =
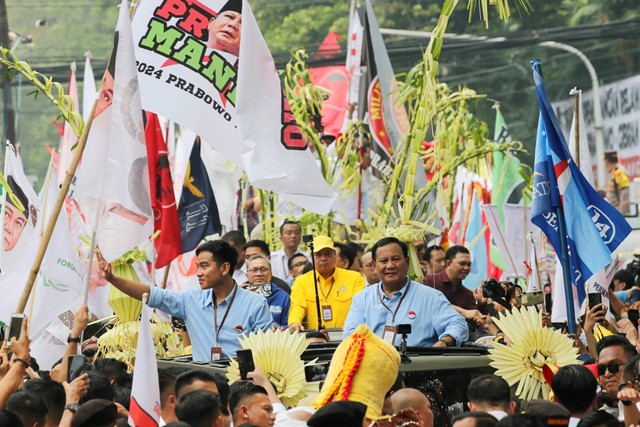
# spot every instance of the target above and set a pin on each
(343, 413)
(234, 5)
(549, 413)
(96, 412)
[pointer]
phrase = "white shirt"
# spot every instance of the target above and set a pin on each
(240, 275)
(280, 264)
(498, 414)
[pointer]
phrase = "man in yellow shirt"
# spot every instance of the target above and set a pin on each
(336, 287)
(618, 185)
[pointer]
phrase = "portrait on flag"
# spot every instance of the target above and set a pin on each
(205, 65)
(20, 212)
(112, 181)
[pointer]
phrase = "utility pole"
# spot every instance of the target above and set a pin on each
(9, 129)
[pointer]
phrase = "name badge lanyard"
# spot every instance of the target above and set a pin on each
(226, 312)
(393, 318)
(327, 313)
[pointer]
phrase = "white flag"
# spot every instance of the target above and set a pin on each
(201, 73)
(68, 138)
(144, 408)
(19, 224)
(112, 185)
(89, 91)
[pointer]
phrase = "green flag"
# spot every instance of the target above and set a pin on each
(507, 183)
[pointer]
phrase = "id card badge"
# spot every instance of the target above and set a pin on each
(389, 334)
(327, 314)
(216, 354)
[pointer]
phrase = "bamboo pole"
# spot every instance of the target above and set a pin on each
(64, 189)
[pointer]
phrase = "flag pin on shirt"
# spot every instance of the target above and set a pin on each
(411, 315)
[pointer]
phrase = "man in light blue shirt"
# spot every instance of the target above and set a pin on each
(215, 315)
(396, 300)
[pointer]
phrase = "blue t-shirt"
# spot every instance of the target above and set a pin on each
(279, 303)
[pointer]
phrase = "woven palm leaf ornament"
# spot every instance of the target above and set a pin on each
(121, 340)
(277, 354)
(530, 347)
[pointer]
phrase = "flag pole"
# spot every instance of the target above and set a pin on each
(566, 272)
(576, 105)
(64, 189)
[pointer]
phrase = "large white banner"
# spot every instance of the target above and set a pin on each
(205, 65)
(621, 121)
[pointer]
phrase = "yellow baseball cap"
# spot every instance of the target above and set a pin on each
(322, 242)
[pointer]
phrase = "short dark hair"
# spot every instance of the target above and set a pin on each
(616, 340)
(20, 195)
(346, 253)
(53, 394)
(99, 387)
(29, 406)
(631, 371)
(489, 389)
(296, 255)
(166, 379)
(287, 222)
(518, 420)
(483, 419)
(429, 251)
(190, 376)
(260, 244)
(356, 247)
(626, 277)
(316, 334)
(388, 241)
(235, 237)
(599, 418)
(574, 387)
(221, 252)
(240, 390)
(122, 396)
(198, 408)
(10, 419)
(112, 368)
(455, 250)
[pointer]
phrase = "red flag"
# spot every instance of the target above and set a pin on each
(163, 201)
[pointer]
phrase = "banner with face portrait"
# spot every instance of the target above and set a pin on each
(205, 65)
(112, 181)
(19, 221)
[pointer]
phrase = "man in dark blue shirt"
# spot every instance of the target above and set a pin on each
(259, 281)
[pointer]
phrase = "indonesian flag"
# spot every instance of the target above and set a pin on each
(112, 182)
(163, 202)
(144, 408)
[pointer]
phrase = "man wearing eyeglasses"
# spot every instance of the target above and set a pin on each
(259, 281)
(614, 352)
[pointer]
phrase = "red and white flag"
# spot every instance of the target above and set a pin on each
(205, 65)
(144, 407)
(112, 185)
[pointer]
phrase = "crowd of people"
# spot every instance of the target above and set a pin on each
(366, 294)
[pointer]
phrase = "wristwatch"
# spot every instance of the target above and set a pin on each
(73, 407)
(75, 340)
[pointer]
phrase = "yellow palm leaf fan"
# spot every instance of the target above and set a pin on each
(277, 354)
(531, 346)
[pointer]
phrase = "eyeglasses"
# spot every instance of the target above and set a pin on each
(298, 264)
(612, 367)
(260, 270)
